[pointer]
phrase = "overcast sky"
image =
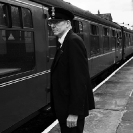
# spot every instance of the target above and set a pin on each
(121, 10)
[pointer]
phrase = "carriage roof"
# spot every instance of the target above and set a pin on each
(77, 11)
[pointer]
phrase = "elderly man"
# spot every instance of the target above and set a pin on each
(71, 92)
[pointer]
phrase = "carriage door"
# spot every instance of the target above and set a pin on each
(51, 49)
(50, 55)
(118, 47)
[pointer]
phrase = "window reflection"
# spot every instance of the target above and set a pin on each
(94, 40)
(27, 18)
(16, 50)
(3, 20)
(15, 14)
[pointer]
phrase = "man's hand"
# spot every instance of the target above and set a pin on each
(72, 121)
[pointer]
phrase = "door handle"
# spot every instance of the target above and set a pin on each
(47, 89)
(48, 58)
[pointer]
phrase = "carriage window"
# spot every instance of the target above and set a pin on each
(52, 43)
(129, 40)
(16, 51)
(27, 18)
(3, 20)
(106, 46)
(113, 33)
(126, 35)
(120, 35)
(94, 30)
(94, 41)
(78, 28)
(105, 31)
(129, 36)
(15, 15)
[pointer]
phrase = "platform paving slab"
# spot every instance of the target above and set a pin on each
(129, 64)
(129, 105)
(102, 121)
(55, 129)
(128, 116)
(122, 78)
(125, 127)
(125, 70)
(123, 75)
(113, 96)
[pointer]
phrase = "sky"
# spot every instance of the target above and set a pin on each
(121, 10)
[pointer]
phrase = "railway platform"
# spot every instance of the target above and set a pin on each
(114, 105)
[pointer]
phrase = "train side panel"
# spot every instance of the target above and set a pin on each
(102, 54)
(127, 42)
(23, 91)
(101, 45)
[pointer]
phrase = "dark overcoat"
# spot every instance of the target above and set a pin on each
(71, 91)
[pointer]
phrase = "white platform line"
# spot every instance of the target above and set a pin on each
(51, 126)
(56, 121)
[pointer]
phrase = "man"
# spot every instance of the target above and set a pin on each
(71, 92)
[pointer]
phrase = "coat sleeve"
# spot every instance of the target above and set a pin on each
(78, 68)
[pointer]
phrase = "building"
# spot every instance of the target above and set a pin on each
(106, 16)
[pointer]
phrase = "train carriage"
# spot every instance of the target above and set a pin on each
(127, 41)
(27, 49)
(23, 65)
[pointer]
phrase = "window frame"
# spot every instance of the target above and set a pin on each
(9, 27)
(20, 13)
(113, 31)
(107, 31)
(31, 19)
(96, 29)
(78, 27)
(7, 15)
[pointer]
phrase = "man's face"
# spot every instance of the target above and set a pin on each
(58, 27)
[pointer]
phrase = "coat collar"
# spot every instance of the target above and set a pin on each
(61, 40)
(68, 34)
(60, 50)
